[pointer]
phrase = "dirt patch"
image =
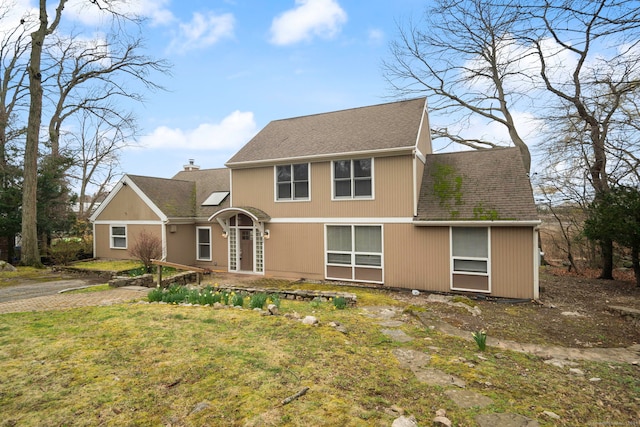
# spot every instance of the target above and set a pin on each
(573, 311)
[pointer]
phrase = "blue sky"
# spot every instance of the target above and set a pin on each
(239, 64)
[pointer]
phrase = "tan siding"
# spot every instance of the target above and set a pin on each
(295, 250)
(416, 257)
(512, 262)
(424, 139)
(127, 206)
(133, 230)
(181, 244)
(393, 192)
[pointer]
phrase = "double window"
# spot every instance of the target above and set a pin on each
(353, 179)
(118, 236)
(354, 252)
(470, 258)
(292, 182)
(203, 237)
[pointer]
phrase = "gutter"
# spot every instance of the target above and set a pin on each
(476, 223)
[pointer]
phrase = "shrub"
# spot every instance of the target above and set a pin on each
(258, 300)
(340, 303)
(146, 247)
(274, 299)
(238, 299)
(67, 250)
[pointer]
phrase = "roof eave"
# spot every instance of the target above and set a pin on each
(322, 157)
(476, 223)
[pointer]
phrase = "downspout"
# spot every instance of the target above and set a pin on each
(164, 239)
(536, 264)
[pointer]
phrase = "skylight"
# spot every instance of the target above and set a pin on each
(215, 198)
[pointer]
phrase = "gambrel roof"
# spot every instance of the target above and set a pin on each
(378, 128)
(476, 185)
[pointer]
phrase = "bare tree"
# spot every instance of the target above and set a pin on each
(465, 58)
(30, 252)
(95, 147)
(600, 79)
(86, 77)
(146, 248)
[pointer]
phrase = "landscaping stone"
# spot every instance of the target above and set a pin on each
(576, 371)
(272, 309)
(200, 407)
(442, 421)
(403, 421)
(411, 359)
(468, 399)
(434, 376)
(397, 335)
(5, 266)
(505, 420)
(551, 415)
(310, 320)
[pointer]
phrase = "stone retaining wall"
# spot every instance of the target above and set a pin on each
(296, 295)
(181, 279)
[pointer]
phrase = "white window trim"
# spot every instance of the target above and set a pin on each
(292, 199)
(353, 197)
(353, 253)
(111, 236)
(198, 257)
(468, 273)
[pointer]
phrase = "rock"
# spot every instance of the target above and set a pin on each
(394, 411)
(560, 363)
(571, 314)
(441, 413)
(5, 266)
(505, 420)
(397, 335)
(595, 379)
(200, 407)
(272, 309)
(468, 399)
(415, 292)
(576, 371)
(403, 421)
(551, 415)
(442, 421)
(310, 320)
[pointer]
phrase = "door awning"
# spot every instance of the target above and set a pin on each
(258, 216)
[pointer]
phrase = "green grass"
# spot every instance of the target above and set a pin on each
(108, 265)
(9, 278)
(134, 364)
(96, 288)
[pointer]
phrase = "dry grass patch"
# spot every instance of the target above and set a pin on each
(159, 364)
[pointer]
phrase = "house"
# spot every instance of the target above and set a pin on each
(354, 196)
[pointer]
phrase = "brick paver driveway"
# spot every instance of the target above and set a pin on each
(46, 296)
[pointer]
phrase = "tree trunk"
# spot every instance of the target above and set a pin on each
(607, 259)
(30, 252)
(635, 260)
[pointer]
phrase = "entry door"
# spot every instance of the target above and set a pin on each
(246, 249)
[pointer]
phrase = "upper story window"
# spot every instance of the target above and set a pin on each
(292, 182)
(353, 179)
(118, 236)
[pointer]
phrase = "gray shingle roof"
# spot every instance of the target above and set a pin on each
(476, 185)
(174, 198)
(207, 181)
(379, 127)
(182, 195)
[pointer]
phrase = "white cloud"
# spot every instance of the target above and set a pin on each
(322, 18)
(375, 36)
(89, 14)
(205, 29)
(230, 134)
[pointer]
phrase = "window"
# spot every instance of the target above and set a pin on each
(204, 243)
(352, 179)
(354, 252)
(215, 198)
(470, 258)
(118, 237)
(292, 182)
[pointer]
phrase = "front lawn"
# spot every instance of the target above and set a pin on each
(153, 364)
